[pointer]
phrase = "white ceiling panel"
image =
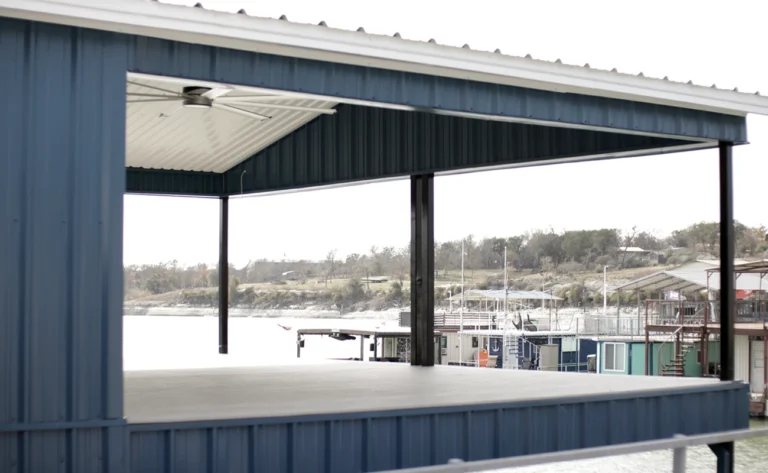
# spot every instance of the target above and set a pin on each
(165, 135)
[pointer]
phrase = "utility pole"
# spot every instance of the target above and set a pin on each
(605, 291)
(461, 309)
(506, 286)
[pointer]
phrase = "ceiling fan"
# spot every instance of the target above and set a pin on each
(199, 97)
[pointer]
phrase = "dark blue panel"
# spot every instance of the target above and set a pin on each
(167, 58)
(375, 441)
(189, 183)
(362, 143)
(62, 178)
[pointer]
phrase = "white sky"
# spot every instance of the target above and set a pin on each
(702, 41)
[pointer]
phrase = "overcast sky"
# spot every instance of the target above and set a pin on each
(702, 41)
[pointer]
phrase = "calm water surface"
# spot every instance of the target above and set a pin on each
(191, 342)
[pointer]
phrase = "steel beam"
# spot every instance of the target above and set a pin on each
(224, 276)
(422, 270)
(724, 451)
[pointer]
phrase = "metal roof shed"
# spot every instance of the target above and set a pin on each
(129, 96)
(696, 276)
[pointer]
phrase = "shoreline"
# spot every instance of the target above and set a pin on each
(258, 313)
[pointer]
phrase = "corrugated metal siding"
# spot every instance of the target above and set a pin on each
(168, 58)
(363, 143)
(155, 181)
(62, 172)
(389, 440)
(741, 358)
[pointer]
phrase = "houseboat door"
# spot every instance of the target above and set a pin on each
(757, 378)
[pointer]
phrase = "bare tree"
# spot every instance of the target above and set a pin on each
(330, 265)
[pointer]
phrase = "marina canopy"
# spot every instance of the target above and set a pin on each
(696, 276)
(127, 96)
(219, 104)
(498, 294)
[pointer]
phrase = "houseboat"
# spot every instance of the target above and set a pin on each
(392, 344)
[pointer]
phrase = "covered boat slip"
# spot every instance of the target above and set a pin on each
(353, 417)
(143, 97)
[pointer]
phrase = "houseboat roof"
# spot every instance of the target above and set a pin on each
(387, 332)
(694, 276)
(520, 333)
(498, 294)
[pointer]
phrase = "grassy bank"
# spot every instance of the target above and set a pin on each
(349, 295)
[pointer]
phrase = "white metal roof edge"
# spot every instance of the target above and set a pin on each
(265, 35)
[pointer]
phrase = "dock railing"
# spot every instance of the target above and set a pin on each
(679, 445)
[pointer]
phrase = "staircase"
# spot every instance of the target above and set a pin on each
(511, 359)
(676, 367)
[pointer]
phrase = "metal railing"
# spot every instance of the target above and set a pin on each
(667, 312)
(678, 444)
(613, 326)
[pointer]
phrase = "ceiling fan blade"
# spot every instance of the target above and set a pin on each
(277, 106)
(216, 93)
(239, 111)
(258, 98)
(159, 89)
(152, 100)
(154, 96)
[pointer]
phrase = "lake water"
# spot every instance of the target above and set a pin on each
(191, 342)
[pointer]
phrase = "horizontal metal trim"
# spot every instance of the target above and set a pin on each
(169, 182)
(346, 47)
(48, 426)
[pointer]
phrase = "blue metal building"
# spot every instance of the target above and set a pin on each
(100, 106)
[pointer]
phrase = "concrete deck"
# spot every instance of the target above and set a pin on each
(348, 387)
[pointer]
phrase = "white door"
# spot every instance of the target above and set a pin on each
(757, 380)
(741, 358)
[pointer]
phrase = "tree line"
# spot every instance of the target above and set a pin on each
(539, 250)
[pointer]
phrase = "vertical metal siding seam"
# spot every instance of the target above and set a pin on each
(497, 433)
(70, 370)
(291, 448)
(251, 446)
(213, 450)
(434, 419)
(328, 427)
(171, 451)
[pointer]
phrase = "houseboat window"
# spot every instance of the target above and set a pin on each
(615, 356)
(443, 342)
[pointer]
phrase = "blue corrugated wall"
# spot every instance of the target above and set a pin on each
(423, 92)
(364, 143)
(62, 177)
(62, 166)
(388, 440)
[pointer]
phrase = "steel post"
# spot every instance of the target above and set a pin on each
(224, 276)
(422, 270)
(678, 458)
(727, 287)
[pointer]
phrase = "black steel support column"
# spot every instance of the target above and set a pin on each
(422, 270)
(727, 288)
(224, 276)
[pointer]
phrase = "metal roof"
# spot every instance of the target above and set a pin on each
(498, 294)
(319, 42)
(384, 332)
(690, 277)
(753, 267)
(160, 134)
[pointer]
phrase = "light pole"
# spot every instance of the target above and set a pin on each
(450, 302)
(605, 291)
